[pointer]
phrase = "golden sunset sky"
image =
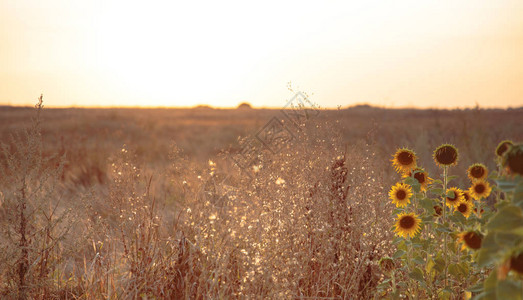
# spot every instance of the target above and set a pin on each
(442, 54)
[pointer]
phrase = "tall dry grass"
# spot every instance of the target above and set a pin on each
(85, 217)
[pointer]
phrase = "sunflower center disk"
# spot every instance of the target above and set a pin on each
(405, 158)
(401, 195)
(479, 188)
(477, 172)
(502, 148)
(472, 240)
(462, 208)
(420, 177)
(446, 155)
(407, 222)
(437, 209)
(515, 162)
(466, 196)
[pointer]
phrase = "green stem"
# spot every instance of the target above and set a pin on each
(479, 210)
(444, 207)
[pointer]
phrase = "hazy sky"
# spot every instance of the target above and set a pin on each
(183, 53)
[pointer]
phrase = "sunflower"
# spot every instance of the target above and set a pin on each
(446, 155)
(464, 207)
(478, 213)
(466, 196)
(437, 211)
(421, 176)
(387, 264)
(400, 194)
(455, 198)
(480, 189)
(470, 239)
(513, 159)
(477, 172)
(407, 225)
(503, 147)
(404, 160)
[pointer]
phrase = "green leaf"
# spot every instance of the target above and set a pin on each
(436, 191)
(398, 254)
(409, 180)
(444, 294)
(489, 250)
(437, 181)
(518, 231)
(507, 239)
(490, 295)
(430, 265)
(506, 185)
(506, 219)
(402, 246)
(416, 274)
(442, 228)
(427, 204)
(440, 264)
(449, 178)
(492, 281)
(397, 240)
(508, 289)
(455, 270)
(464, 268)
(427, 219)
(478, 287)
(458, 218)
(418, 260)
(517, 198)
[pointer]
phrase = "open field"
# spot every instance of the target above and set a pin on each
(147, 203)
(90, 136)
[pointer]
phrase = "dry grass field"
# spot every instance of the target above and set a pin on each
(149, 204)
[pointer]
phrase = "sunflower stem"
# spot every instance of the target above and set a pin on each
(479, 210)
(444, 206)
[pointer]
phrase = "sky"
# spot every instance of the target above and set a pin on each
(425, 54)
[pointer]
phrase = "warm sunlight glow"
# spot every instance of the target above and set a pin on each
(222, 53)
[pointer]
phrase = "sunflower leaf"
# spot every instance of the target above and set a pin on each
(506, 184)
(491, 281)
(416, 274)
(454, 270)
(440, 264)
(398, 254)
(506, 219)
(443, 228)
(458, 218)
(478, 287)
(410, 181)
(436, 191)
(518, 195)
(418, 260)
(489, 251)
(430, 265)
(507, 239)
(427, 204)
(490, 295)
(451, 178)
(518, 231)
(508, 289)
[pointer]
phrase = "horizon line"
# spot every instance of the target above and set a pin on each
(205, 106)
